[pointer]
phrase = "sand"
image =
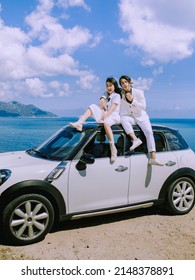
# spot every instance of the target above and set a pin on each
(145, 234)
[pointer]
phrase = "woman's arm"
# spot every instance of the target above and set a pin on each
(111, 110)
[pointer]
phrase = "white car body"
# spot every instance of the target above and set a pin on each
(77, 188)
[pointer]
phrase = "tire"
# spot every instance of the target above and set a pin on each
(181, 196)
(27, 219)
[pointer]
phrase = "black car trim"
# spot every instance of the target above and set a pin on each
(185, 171)
(91, 128)
(38, 187)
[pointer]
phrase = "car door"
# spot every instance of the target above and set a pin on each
(102, 184)
(146, 180)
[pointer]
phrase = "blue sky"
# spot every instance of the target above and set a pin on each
(58, 54)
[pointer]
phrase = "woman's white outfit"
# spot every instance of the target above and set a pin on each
(97, 112)
(135, 113)
(114, 117)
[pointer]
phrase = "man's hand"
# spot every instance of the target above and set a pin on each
(129, 96)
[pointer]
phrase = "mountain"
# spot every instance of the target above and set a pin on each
(16, 109)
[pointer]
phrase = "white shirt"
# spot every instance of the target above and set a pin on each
(137, 108)
(113, 98)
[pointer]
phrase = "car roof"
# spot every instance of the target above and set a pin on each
(98, 126)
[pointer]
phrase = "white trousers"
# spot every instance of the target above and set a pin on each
(145, 125)
(97, 115)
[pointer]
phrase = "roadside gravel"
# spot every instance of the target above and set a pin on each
(141, 234)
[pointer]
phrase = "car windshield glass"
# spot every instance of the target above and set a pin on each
(60, 145)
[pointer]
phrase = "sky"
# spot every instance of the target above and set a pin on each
(57, 54)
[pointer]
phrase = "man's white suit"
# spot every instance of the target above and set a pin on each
(135, 113)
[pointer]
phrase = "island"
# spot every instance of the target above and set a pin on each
(17, 109)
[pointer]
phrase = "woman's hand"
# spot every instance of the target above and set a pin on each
(102, 104)
(102, 117)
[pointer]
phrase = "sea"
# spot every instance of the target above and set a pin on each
(17, 134)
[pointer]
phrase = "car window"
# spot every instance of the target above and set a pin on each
(99, 146)
(176, 141)
(159, 141)
(140, 149)
(119, 143)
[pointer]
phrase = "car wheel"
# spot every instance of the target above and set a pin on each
(27, 219)
(181, 196)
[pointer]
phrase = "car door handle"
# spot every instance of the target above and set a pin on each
(121, 168)
(170, 163)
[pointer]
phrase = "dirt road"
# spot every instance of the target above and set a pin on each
(142, 235)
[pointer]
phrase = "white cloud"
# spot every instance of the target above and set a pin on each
(143, 83)
(158, 71)
(4, 88)
(52, 35)
(96, 40)
(60, 89)
(10, 90)
(64, 90)
(37, 88)
(154, 28)
(31, 60)
(54, 84)
(87, 81)
(43, 64)
(12, 52)
(148, 62)
(74, 3)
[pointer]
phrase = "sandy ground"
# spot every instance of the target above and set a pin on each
(142, 234)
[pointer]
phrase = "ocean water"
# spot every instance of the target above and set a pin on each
(18, 134)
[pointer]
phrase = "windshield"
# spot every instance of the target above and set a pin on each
(60, 145)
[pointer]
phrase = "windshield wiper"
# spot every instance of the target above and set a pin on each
(33, 151)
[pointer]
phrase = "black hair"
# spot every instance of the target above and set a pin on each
(113, 81)
(126, 78)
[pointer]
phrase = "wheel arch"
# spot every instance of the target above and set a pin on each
(182, 172)
(37, 187)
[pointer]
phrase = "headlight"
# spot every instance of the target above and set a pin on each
(4, 175)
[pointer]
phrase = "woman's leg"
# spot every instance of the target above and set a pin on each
(108, 122)
(110, 136)
(92, 111)
(79, 124)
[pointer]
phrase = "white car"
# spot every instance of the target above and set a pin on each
(70, 176)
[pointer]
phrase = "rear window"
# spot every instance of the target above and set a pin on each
(176, 141)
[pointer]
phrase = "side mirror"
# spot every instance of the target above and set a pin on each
(84, 160)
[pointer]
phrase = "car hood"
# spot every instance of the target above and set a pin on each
(25, 167)
(21, 158)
